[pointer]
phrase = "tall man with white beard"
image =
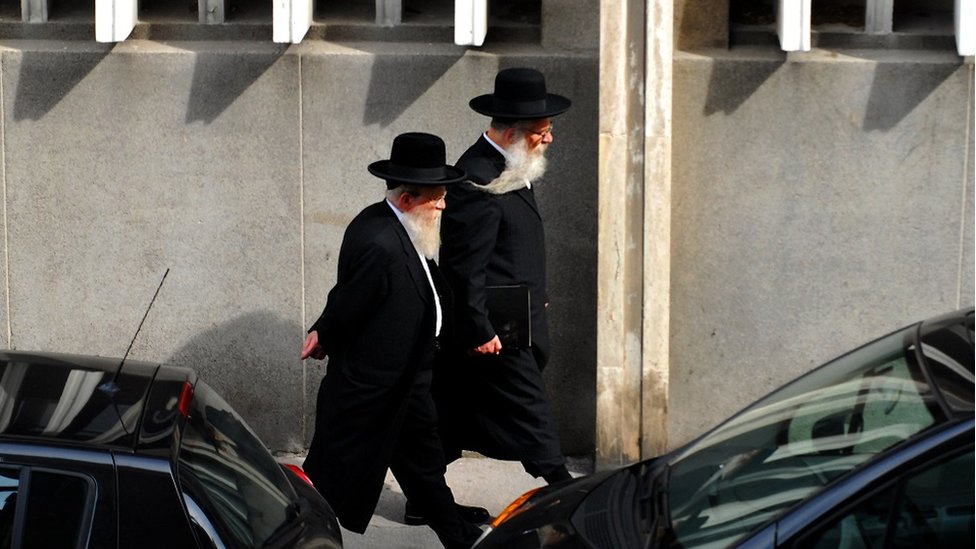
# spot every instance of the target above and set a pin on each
(491, 398)
(381, 330)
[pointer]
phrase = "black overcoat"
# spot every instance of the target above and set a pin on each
(378, 331)
(495, 405)
(492, 240)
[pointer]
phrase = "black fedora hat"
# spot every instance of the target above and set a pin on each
(417, 159)
(520, 94)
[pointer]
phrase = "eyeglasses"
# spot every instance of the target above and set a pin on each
(543, 133)
(422, 199)
(436, 199)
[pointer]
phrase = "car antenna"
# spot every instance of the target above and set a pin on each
(111, 387)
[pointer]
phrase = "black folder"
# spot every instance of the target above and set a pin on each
(510, 314)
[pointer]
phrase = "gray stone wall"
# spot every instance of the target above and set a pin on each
(819, 200)
(236, 166)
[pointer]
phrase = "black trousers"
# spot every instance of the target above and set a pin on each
(361, 431)
(418, 465)
(497, 406)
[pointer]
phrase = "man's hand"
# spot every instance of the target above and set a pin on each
(311, 348)
(493, 347)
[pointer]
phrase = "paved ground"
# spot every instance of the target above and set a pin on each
(475, 480)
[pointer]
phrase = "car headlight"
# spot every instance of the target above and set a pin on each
(521, 504)
(542, 531)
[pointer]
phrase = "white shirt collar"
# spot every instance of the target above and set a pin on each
(398, 213)
(497, 146)
(399, 216)
(438, 316)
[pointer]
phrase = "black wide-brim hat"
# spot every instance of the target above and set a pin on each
(417, 159)
(520, 94)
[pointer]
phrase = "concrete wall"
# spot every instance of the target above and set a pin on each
(819, 200)
(237, 165)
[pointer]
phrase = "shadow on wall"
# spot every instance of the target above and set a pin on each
(252, 361)
(893, 96)
(47, 77)
(219, 78)
(731, 84)
(383, 107)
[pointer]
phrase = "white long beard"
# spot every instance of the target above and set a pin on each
(522, 167)
(424, 231)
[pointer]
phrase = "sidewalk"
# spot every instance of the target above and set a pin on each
(475, 480)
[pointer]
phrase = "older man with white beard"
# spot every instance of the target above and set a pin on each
(381, 329)
(490, 396)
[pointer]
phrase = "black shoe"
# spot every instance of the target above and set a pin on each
(557, 475)
(471, 515)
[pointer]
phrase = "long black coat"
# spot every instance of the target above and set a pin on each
(491, 240)
(378, 330)
(495, 405)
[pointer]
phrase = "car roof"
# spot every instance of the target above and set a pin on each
(74, 399)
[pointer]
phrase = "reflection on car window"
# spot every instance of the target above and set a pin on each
(932, 508)
(797, 440)
(860, 417)
(41, 399)
(203, 528)
(9, 488)
(227, 473)
(948, 354)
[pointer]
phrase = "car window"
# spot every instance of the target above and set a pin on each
(57, 512)
(203, 527)
(225, 471)
(948, 353)
(861, 417)
(797, 440)
(9, 489)
(52, 400)
(56, 508)
(930, 508)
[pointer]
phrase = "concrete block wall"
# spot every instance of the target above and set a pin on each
(236, 165)
(819, 200)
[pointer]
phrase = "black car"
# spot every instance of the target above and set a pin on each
(99, 454)
(873, 449)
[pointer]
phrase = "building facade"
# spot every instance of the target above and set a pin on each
(721, 213)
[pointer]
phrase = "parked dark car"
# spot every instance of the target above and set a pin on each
(143, 456)
(874, 449)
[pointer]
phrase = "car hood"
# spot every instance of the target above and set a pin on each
(566, 515)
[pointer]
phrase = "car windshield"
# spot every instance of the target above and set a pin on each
(795, 441)
(227, 473)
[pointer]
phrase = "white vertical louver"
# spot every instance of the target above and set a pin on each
(793, 24)
(965, 23)
(34, 11)
(291, 20)
(879, 16)
(114, 19)
(389, 13)
(470, 22)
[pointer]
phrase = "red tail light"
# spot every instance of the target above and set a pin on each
(298, 473)
(186, 397)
